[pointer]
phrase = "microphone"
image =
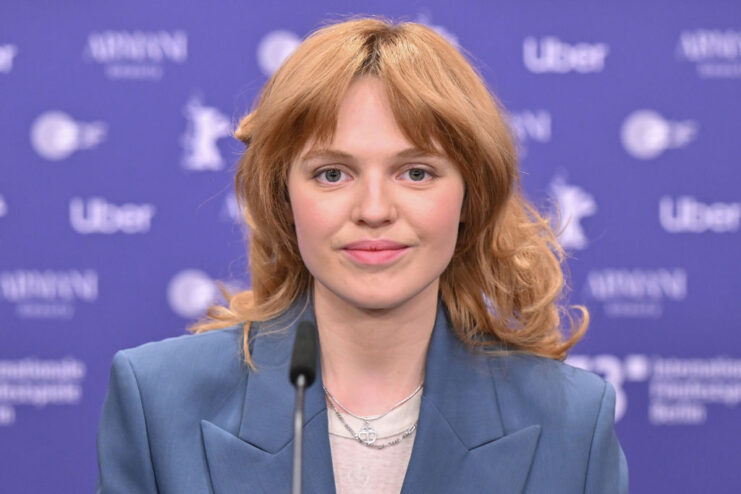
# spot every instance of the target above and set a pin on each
(303, 359)
(302, 374)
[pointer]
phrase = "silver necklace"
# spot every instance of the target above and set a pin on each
(369, 439)
(371, 419)
(367, 434)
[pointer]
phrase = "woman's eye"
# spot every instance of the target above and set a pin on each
(417, 174)
(330, 175)
(335, 175)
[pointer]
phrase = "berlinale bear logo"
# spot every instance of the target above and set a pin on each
(574, 203)
(206, 125)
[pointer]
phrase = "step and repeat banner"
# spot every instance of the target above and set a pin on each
(117, 213)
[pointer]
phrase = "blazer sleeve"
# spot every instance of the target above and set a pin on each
(124, 458)
(607, 468)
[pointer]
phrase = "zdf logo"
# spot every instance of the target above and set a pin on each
(190, 292)
(55, 135)
(645, 134)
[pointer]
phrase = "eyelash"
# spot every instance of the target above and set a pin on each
(429, 173)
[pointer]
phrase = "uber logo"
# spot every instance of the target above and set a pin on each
(100, 216)
(553, 55)
(687, 214)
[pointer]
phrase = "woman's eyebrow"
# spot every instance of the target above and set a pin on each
(336, 154)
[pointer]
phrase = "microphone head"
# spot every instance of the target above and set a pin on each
(303, 360)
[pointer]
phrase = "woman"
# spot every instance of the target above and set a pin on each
(381, 187)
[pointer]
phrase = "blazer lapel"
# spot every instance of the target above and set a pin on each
(461, 444)
(253, 451)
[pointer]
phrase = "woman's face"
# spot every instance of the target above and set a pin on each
(376, 220)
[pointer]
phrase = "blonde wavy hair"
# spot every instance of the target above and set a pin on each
(504, 286)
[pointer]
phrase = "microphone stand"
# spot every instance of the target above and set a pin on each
(302, 374)
(298, 433)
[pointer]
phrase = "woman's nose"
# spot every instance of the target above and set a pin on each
(374, 204)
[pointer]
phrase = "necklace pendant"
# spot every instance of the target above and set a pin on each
(367, 434)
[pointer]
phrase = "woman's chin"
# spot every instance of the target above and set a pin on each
(374, 301)
(376, 298)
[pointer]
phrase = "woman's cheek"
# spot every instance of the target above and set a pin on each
(314, 222)
(442, 209)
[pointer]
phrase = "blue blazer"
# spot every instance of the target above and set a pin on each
(184, 415)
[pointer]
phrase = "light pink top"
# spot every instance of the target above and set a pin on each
(359, 469)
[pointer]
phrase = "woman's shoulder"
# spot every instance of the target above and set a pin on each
(159, 392)
(185, 343)
(543, 371)
(187, 358)
(539, 388)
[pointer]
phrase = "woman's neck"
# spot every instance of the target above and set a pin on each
(373, 358)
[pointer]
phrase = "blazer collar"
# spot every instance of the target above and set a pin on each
(460, 433)
(461, 443)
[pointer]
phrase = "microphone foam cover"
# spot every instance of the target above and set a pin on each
(303, 359)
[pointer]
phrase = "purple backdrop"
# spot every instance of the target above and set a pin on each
(117, 213)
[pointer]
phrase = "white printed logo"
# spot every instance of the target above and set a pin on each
(528, 126)
(48, 294)
(574, 204)
(99, 216)
(30, 381)
(190, 293)
(646, 134)
(638, 293)
(7, 54)
(553, 55)
(205, 126)
(136, 54)
(274, 48)
(716, 53)
(55, 135)
(680, 391)
(687, 214)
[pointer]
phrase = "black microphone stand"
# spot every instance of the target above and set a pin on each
(298, 433)
(302, 374)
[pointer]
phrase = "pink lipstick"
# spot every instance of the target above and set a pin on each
(375, 252)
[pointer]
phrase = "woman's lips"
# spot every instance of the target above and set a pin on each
(375, 257)
(375, 252)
